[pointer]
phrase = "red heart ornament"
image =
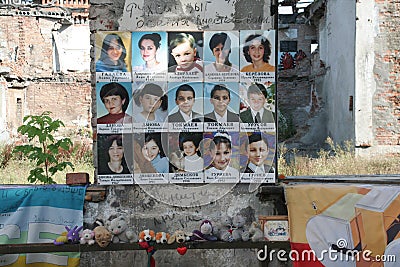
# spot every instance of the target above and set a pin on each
(182, 250)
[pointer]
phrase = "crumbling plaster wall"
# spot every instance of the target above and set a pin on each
(378, 77)
(337, 51)
(28, 71)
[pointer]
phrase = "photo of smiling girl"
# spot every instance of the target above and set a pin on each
(113, 51)
(222, 159)
(258, 55)
(149, 55)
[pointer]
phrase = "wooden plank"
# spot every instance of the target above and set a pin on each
(49, 247)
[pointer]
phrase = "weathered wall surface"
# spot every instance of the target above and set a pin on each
(337, 50)
(145, 212)
(386, 71)
(44, 66)
(146, 209)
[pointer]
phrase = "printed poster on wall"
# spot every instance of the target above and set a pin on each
(186, 107)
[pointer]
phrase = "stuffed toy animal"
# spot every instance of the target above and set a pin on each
(239, 232)
(87, 237)
(223, 230)
(119, 229)
(179, 237)
(102, 236)
(162, 237)
(256, 234)
(205, 233)
(71, 236)
(147, 236)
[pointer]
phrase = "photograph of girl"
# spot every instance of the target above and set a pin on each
(149, 99)
(221, 153)
(111, 155)
(152, 48)
(185, 52)
(188, 158)
(257, 48)
(149, 154)
(115, 103)
(221, 57)
(111, 52)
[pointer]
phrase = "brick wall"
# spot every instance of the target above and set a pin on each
(386, 102)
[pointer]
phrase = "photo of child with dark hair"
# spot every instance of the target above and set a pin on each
(189, 158)
(152, 48)
(115, 99)
(257, 50)
(149, 148)
(150, 98)
(221, 164)
(111, 155)
(111, 52)
(257, 151)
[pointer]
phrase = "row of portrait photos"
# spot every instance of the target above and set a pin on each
(186, 157)
(185, 107)
(210, 56)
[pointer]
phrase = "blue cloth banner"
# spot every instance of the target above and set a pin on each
(39, 214)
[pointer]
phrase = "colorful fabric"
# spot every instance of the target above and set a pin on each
(39, 214)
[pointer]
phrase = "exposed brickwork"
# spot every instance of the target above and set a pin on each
(26, 47)
(387, 60)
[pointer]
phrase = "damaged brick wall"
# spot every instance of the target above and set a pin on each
(386, 102)
(32, 86)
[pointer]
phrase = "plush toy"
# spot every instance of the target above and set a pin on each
(239, 232)
(223, 230)
(87, 237)
(147, 236)
(179, 237)
(256, 234)
(162, 237)
(102, 236)
(119, 229)
(205, 233)
(71, 236)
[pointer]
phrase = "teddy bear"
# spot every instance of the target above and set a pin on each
(205, 233)
(87, 236)
(239, 231)
(102, 236)
(256, 234)
(223, 230)
(119, 229)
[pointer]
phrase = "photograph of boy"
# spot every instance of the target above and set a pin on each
(185, 52)
(190, 159)
(152, 48)
(257, 49)
(256, 96)
(221, 98)
(185, 100)
(223, 52)
(113, 102)
(113, 51)
(257, 151)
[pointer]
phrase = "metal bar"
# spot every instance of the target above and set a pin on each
(49, 247)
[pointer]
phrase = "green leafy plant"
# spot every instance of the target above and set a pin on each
(43, 148)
